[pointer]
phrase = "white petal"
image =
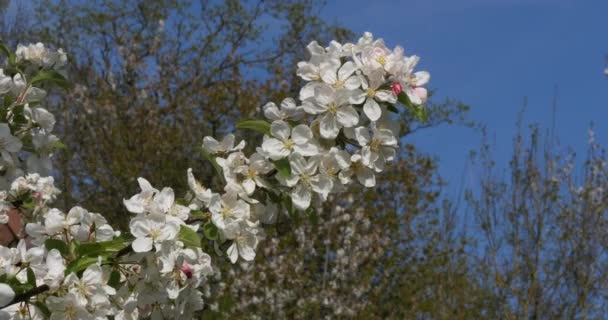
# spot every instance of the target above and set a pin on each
(271, 111)
(321, 184)
(6, 294)
(346, 70)
(165, 199)
(422, 77)
(142, 244)
(307, 149)
(280, 130)
(348, 116)
(366, 177)
(372, 109)
(385, 95)
(301, 134)
(211, 145)
(233, 253)
(275, 149)
(328, 126)
(301, 197)
(325, 94)
(313, 108)
(139, 227)
(362, 136)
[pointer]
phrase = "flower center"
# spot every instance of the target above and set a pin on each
(332, 108)
(289, 144)
(375, 144)
(305, 179)
(252, 173)
(339, 84)
(381, 60)
(154, 234)
(227, 212)
(371, 92)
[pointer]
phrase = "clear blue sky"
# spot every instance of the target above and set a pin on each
(491, 54)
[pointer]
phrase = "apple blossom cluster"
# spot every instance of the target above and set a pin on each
(74, 265)
(342, 131)
(26, 139)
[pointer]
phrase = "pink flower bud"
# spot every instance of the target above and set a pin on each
(396, 87)
(187, 270)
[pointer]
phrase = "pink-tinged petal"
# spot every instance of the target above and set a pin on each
(422, 93)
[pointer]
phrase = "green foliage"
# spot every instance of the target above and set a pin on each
(256, 125)
(189, 237)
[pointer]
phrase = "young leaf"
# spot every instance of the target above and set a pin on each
(210, 231)
(61, 246)
(114, 280)
(52, 77)
(283, 166)
(189, 237)
(95, 249)
(218, 169)
(81, 264)
(392, 108)
(257, 125)
(31, 277)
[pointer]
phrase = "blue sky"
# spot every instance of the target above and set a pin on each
(490, 54)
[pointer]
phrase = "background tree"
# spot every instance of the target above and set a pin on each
(542, 247)
(154, 77)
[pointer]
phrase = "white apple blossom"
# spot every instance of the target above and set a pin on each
(286, 140)
(227, 208)
(244, 239)
(371, 94)
(252, 174)
(152, 230)
(377, 148)
(226, 145)
(288, 110)
(364, 174)
(8, 143)
(304, 180)
(334, 110)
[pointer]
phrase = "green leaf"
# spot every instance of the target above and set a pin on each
(95, 249)
(5, 49)
(283, 166)
(52, 77)
(392, 108)
(404, 100)
(189, 237)
(198, 214)
(210, 231)
(43, 308)
(257, 125)
(12, 58)
(31, 277)
(216, 166)
(61, 246)
(288, 203)
(114, 280)
(58, 145)
(81, 264)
